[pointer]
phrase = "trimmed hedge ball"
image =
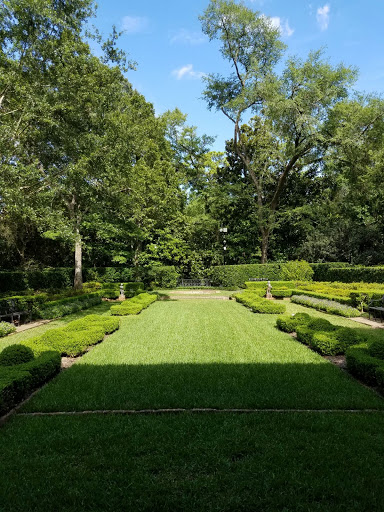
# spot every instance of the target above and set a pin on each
(16, 354)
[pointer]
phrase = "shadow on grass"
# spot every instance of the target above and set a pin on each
(216, 385)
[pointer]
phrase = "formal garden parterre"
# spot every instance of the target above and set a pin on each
(190, 323)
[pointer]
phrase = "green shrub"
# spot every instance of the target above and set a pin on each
(69, 343)
(326, 343)
(335, 342)
(279, 294)
(107, 323)
(163, 276)
(355, 274)
(29, 303)
(127, 309)
(347, 336)
(67, 306)
(92, 286)
(364, 366)
(289, 323)
(325, 305)
(6, 328)
(296, 271)
(321, 269)
(304, 334)
(268, 306)
(16, 382)
(376, 349)
(320, 324)
(237, 275)
(259, 305)
(15, 354)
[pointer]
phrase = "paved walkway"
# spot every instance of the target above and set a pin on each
(365, 321)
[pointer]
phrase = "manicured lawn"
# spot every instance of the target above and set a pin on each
(212, 462)
(198, 354)
(201, 354)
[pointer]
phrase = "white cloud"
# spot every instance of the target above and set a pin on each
(187, 71)
(134, 24)
(281, 25)
(188, 37)
(322, 16)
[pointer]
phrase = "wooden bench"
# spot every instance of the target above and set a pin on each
(378, 309)
(195, 282)
(13, 314)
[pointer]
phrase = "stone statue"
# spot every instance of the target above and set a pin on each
(122, 294)
(269, 288)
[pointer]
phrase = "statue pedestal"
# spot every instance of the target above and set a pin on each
(121, 297)
(269, 296)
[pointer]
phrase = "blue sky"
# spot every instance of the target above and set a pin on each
(172, 53)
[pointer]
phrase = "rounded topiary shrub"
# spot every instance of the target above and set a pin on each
(286, 323)
(376, 349)
(320, 324)
(348, 336)
(15, 354)
(302, 318)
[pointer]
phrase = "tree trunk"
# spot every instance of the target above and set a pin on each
(264, 245)
(78, 281)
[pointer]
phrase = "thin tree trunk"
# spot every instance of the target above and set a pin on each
(78, 281)
(264, 245)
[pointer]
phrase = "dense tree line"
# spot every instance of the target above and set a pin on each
(89, 172)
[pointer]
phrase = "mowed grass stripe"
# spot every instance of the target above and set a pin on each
(201, 354)
(298, 462)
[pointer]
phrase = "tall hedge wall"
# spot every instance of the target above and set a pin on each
(354, 275)
(18, 280)
(236, 275)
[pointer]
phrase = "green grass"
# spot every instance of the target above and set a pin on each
(198, 354)
(201, 354)
(219, 462)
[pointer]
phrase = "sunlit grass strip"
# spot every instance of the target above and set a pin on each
(204, 354)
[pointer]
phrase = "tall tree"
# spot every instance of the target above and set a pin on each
(289, 132)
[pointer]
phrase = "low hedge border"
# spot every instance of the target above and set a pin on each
(69, 305)
(324, 337)
(134, 306)
(364, 366)
(328, 306)
(259, 305)
(19, 380)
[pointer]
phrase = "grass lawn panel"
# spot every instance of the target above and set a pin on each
(219, 462)
(202, 354)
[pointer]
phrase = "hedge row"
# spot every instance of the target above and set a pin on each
(237, 275)
(253, 301)
(351, 274)
(133, 306)
(329, 306)
(16, 382)
(321, 335)
(17, 280)
(69, 305)
(112, 290)
(25, 367)
(365, 365)
(74, 339)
